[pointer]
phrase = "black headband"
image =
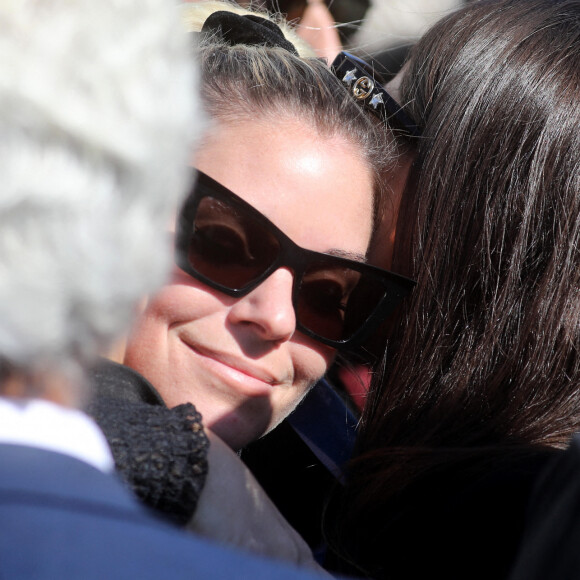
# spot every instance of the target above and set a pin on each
(365, 86)
(247, 29)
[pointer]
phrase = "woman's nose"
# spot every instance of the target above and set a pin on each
(268, 308)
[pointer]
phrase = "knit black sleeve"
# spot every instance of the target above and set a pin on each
(161, 453)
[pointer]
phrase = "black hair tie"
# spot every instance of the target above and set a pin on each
(247, 29)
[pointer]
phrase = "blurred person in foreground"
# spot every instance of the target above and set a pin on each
(97, 119)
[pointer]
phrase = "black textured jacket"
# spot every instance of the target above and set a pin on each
(161, 453)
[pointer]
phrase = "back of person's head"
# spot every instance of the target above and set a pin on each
(485, 353)
(97, 105)
(245, 80)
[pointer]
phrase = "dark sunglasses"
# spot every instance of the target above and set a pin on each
(366, 85)
(227, 244)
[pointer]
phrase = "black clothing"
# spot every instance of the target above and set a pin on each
(164, 460)
(550, 548)
(111, 379)
(161, 453)
(457, 523)
(300, 462)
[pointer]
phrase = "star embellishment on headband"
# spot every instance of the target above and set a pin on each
(365, 86)
(349, 77)
(376, 100)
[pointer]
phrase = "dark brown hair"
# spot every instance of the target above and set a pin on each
(482, 362)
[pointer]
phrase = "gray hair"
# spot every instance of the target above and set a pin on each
(97, 109)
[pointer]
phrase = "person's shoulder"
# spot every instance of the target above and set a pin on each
(560, 478)
(88, 526)
(571, 456)
(112, 379)
(549, 548)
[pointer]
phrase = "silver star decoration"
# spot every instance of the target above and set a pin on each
(376, 100)
(349, 77)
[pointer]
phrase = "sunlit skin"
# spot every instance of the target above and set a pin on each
(381, 252)
(241, 361)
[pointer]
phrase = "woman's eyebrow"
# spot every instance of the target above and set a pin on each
(355, 256)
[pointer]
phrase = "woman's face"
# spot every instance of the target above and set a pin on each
(240, 361)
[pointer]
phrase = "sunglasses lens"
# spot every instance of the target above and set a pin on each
(229, 247)
(335, 302)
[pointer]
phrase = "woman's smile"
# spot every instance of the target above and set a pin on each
(236, 370)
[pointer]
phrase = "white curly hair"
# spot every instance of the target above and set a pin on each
(98, 117)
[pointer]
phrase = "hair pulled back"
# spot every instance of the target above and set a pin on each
(270, 84)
